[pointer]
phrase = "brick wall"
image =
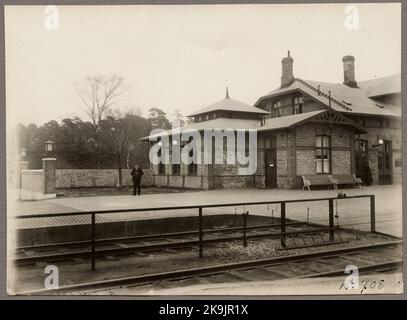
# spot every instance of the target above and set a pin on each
(341, 141)
(392, 134)
(79, 178)
(341, 162)
(295, 157)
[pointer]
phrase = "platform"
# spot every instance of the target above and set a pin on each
(354, 213)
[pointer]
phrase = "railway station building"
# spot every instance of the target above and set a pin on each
(304, 127)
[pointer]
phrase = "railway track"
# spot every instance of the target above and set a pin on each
(308, 234)
(379, 257)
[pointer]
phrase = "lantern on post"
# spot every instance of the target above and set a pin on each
(49, 147)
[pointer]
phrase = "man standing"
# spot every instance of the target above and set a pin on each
(137, 173)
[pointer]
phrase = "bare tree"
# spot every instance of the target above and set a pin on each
(115, 136)
(99, 94)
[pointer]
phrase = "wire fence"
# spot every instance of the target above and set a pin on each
(194, 227)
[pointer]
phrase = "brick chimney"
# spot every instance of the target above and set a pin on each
(287, 76)
(349, 71)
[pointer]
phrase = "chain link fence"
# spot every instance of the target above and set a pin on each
(298, 223)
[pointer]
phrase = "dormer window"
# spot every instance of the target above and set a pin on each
(277, 109)
(269, 107)
(297, 105)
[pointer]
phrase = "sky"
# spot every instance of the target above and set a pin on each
(183, 57)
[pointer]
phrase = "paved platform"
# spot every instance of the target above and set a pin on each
(352, 212)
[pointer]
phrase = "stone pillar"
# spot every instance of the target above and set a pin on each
(49, 166)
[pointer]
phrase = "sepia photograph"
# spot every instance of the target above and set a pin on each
(204, 150)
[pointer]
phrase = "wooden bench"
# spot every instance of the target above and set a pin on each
(349, 179)
(317, 180)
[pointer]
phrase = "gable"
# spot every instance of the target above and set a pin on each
(344, 99)
(329, 116)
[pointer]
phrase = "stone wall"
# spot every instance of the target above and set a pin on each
(91, 178)
(37, 184)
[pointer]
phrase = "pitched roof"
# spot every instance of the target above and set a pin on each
(346, 99)
(288, 121)
(218, 123)
(382, 86)
(229, 104)
(298, 119)
(270, 124)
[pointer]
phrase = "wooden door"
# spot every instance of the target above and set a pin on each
(385, 159)
(270, 162)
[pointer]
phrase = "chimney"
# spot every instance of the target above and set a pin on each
(287, 76)
(349, 71)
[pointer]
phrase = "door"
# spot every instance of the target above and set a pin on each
(270, 162)
(385, 159)
(361, 158)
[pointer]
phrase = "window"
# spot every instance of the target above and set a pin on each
(297, 105)
(387, 150)
(269, 107)
(161, 169)
(176, 169)
(207, 117)
(161, 166)
(277, 109)
(361, 145)
(192, 169)
(323, 154)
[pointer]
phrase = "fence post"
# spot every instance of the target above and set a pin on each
(245, 216)
(93, 240)
(282, 222)
(200, 232)
(372, 214)
(331, 220)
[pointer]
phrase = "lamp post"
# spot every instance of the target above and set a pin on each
(49, 170)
